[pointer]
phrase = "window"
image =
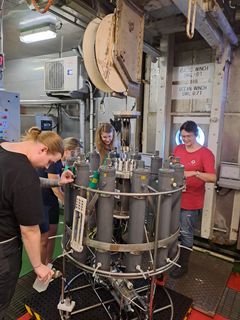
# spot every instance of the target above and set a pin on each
(200, 137)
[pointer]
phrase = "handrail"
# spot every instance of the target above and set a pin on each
(129, 194)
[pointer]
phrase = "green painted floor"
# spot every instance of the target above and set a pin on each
(26, 265)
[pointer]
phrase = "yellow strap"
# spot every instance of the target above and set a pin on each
(28, 310)
(37, 316)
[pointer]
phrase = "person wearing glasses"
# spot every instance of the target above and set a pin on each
(199, 168)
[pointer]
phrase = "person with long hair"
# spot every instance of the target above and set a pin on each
(21, 209)
(52, 197)
(105, 140)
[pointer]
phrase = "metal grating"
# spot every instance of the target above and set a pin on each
(23, 289)
(92, 306)
(229, 306)
(89, 306)
(204, 283)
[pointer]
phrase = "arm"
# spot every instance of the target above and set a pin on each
(209, 172)
(56, 190)
(31, 238)
(66, 177)
(48, 183)
(204, 176)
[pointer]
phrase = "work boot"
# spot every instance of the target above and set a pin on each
(183, 261)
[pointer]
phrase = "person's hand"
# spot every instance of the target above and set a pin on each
(188, 174)
(44, 273)
(66, 177)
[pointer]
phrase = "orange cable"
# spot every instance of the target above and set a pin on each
(38, 9)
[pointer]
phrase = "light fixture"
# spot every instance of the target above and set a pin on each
(38, 33)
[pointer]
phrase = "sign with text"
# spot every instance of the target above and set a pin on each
(192, 91)
(197, 73)
(194, 82)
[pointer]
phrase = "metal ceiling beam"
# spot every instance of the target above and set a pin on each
(73, 17)
(85, 11)
(151, 5)
(169, 25)
(217, 14)
(203, 25)
(151, 51)
(229, 11)
(68, 17)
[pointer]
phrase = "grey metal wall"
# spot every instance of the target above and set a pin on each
(221, 218)
(191, 109)
(227, 209)
(26, 76)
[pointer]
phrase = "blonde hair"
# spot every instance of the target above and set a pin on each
(104, 128)
(50, 139)
(71, 143)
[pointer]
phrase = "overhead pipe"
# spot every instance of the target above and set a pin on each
(91, 115)
(49, 101)
(59, 12)
(227, 7)
(217, 14)
(1, 17)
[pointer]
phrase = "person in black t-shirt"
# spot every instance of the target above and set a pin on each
(21, 205)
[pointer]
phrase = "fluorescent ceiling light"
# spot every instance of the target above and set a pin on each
(38, 34)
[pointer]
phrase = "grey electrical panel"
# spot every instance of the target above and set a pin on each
(229, 175)
(9, 116)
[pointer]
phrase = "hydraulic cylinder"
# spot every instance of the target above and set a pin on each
(165, 181)
(105, 214)
(176, 204)
(137, 212)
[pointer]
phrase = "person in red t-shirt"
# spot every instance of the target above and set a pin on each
(199, 168)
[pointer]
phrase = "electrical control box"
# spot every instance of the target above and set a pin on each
(9, 116)
(229, 175)
(45, 123)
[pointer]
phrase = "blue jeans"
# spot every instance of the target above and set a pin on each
(188, 220)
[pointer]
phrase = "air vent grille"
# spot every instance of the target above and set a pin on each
(54, 75)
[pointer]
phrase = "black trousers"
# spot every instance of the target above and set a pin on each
(10, 267)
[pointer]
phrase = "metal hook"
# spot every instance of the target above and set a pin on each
(191, 18)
